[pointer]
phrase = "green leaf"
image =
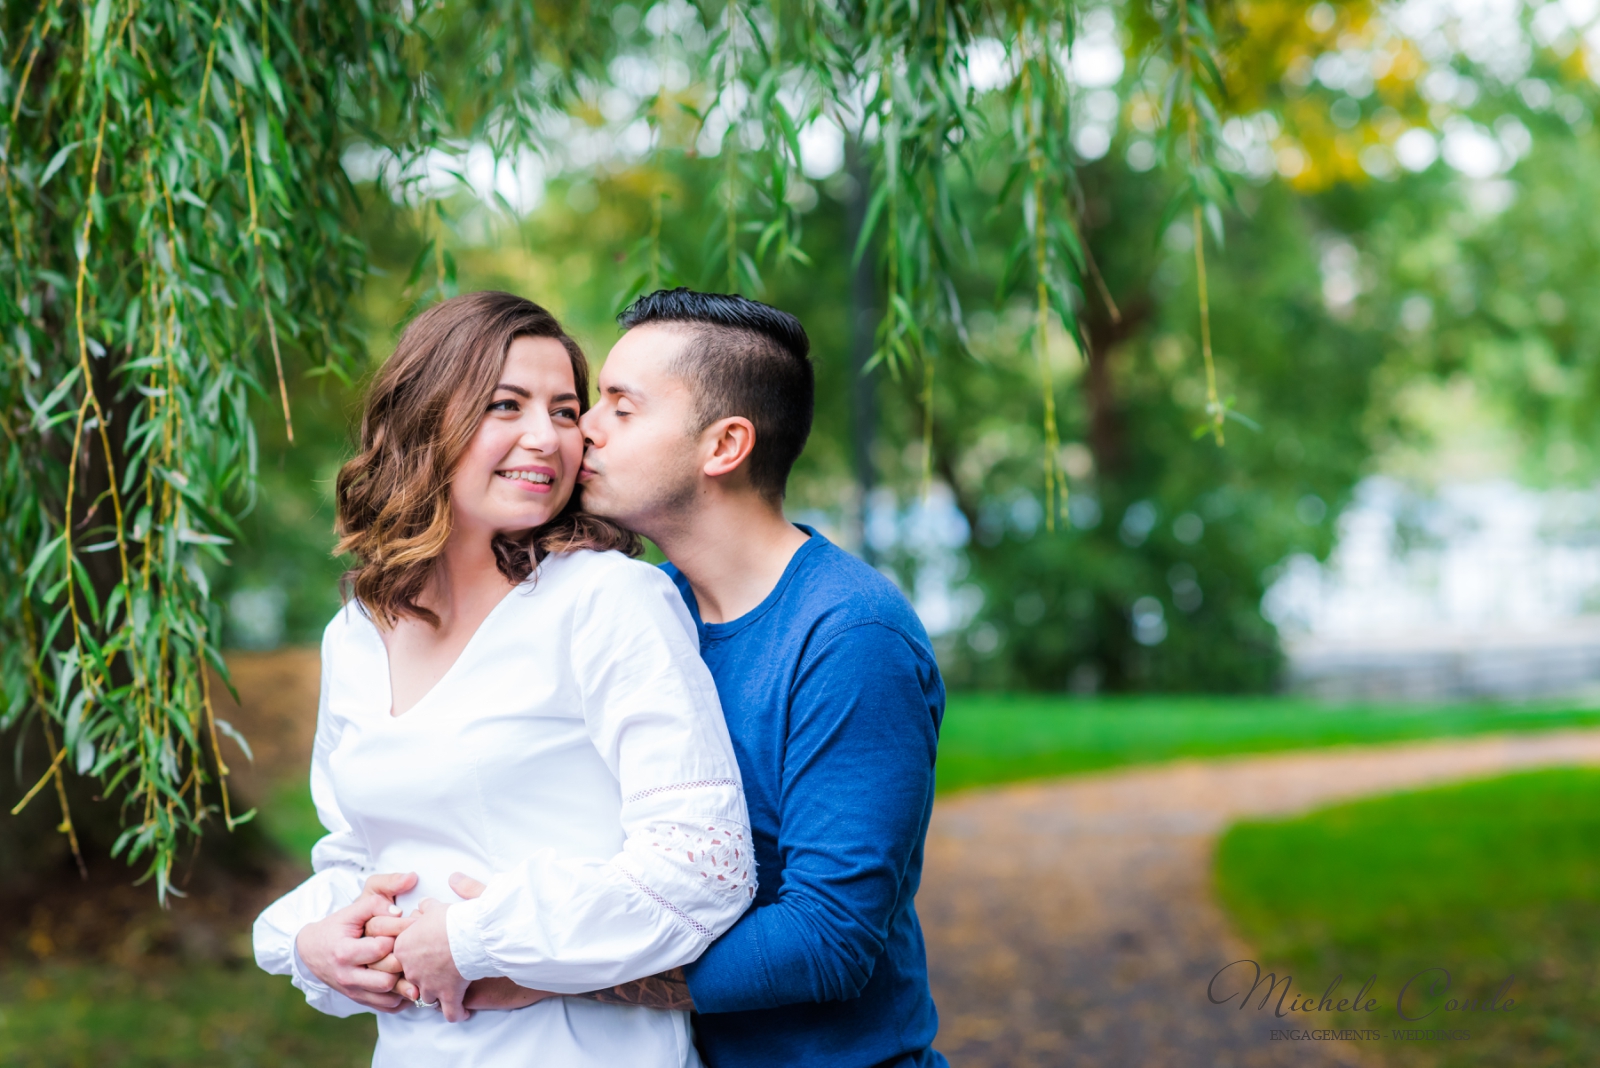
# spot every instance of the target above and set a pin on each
(42, 556)
(269, 79)
(59, 158)
(237, 57)
(238, 739)
(880, 197)
(97, 26)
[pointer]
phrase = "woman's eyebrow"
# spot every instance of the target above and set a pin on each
(561, 398)
(518, 390)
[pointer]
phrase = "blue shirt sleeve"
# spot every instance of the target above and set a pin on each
(857, 792)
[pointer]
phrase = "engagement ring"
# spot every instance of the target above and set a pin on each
(426, 1004)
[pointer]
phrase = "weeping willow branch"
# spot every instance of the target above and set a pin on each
(1214, 406)
(261, 273)
(126, 341)
(1053, 481)
(1197, 86)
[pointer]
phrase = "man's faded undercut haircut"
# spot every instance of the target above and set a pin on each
(744, 358)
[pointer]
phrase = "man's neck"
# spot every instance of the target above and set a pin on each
(733, 549)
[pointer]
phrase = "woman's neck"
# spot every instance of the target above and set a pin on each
(465, 578)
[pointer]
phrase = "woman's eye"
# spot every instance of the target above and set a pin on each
(565, 413)
(504, 406)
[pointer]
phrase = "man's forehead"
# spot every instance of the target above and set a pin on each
(642, 359)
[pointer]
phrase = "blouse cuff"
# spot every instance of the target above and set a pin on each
(302, 976)
(463, 922)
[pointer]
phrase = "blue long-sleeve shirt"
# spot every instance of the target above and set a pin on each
(833, 700)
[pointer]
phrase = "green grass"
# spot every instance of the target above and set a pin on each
(290, 818)
(989, 739)
(1486, 879)
(169, 1016)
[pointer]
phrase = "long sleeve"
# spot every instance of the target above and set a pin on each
(686, 870)
(338, 860)
(857, 790)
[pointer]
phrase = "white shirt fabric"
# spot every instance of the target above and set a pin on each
(575, 759)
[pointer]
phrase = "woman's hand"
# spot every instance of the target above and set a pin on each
(496, 992)
(423, 949)
(339, 952)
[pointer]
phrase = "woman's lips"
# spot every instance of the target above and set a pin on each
(540, 481)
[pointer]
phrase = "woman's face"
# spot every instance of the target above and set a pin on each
(518, 471)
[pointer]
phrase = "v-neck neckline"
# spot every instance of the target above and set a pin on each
(388, 668)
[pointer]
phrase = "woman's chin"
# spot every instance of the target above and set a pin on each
(529, 518)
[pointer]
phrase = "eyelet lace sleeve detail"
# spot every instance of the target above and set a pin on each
(718, 852)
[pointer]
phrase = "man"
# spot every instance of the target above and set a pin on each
(829, 685)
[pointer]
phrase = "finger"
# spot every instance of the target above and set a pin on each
(367, 979)
(450, 1005)
(391, 884)
(360, 952)
(388, 926)
(465, 886)
(390, 964)
(380, 1002)
(372, 903)
(407, 989)
(427, 904)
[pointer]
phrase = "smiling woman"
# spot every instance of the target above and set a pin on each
(426, 415)
(508, 705)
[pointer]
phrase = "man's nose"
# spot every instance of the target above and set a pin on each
(589, 425)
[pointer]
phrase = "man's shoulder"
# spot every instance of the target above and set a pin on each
(835, 593)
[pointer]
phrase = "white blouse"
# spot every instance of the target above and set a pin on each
(575, 759)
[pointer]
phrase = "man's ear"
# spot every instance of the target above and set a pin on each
(731, 441)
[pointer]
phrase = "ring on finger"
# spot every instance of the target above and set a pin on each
(425, 1004)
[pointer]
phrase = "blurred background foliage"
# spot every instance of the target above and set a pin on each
(1407, 252)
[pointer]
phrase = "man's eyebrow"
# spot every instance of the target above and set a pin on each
(518, 390)
(627, 391)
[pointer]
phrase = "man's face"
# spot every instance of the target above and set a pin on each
(643, 459)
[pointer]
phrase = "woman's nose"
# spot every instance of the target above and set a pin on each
(540, 435)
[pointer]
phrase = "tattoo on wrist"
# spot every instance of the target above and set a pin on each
(669, 990)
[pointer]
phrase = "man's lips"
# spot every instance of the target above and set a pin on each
(585, 473)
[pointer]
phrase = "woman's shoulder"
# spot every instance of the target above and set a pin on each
(620, 591)
(606, 567)
(350, 617)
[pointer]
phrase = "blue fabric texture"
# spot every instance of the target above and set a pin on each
(833, 699)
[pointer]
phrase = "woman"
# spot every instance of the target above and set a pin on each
(510, 698)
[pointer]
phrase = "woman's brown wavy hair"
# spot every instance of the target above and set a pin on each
(422, 409)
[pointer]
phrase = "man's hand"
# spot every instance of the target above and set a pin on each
(498, 992)
(338, 951)
(423, 949)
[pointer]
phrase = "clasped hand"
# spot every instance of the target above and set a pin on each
(371, 954)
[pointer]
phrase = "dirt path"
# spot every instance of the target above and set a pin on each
(1071, 923)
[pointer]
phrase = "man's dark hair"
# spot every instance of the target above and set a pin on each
(743, 358)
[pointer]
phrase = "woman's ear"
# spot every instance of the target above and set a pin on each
(731, 441)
